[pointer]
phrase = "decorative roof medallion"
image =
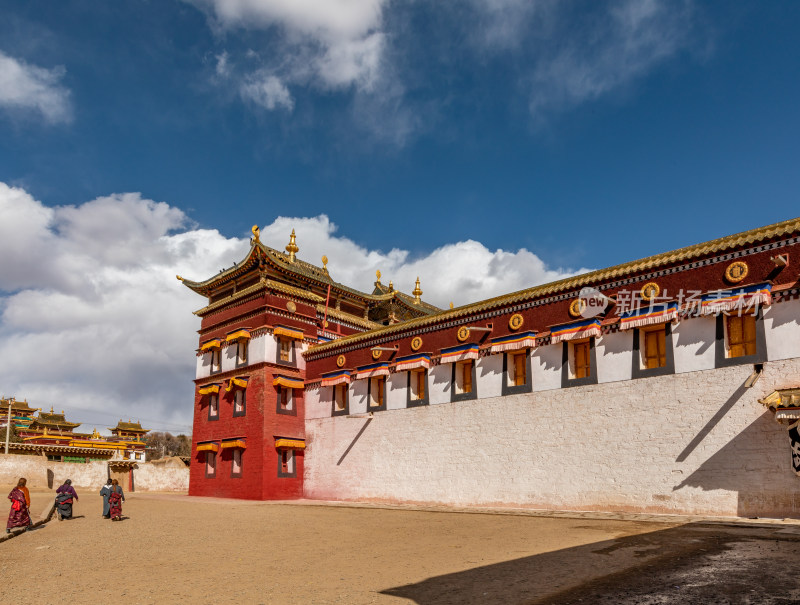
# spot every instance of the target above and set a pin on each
(736, 271)
(576, 307)
(650, 291)
(515, 321)
(416, 343)
(376, 353)
(291, 307)
(462, 334)
(340, 361)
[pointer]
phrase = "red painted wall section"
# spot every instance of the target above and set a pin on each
(704, 278)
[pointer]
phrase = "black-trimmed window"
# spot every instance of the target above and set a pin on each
(239, 402)
(287, 465)
(285, 397)
(579, 363)
(740, 338)
(417, 387)
(339, 399)
(653, 353)
(241, 352)
(517, 372)
(216, 360)
(463, 385)
(376, 393)
(285, 350)
(213, 406)
(236, 463)
(211, 464)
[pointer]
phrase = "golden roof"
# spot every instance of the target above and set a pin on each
(715, 246)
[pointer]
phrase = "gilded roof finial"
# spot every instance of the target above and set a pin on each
(391, 286)
(256, 233)
(417, 292)
(292, 248)
(378, 275)
(451, 304)
(179, 278)
(325, 263)
(51, 410)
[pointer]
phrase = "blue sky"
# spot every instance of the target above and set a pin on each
(701, 130)
(485, 145)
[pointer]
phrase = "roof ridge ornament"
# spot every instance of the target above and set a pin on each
(417, 292)
(325, 263)
(292, 248)
(256, 234)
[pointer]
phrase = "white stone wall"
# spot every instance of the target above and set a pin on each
(42, 473)
(693, 443)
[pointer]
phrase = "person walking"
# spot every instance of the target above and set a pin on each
(105, 491)
(115, 500)
(65, 495)
(19, 516)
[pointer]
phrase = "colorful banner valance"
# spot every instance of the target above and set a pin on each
(209, 389)
(211, 344)
(239, 381)
(331, 379)
(513, 342)
(294, 444)
(288, 382)
(207, 447)
(460, 353)
(374, 369)
(412, 362)
(288, 332)
(231, 443)
(574, 330)
(238, 335)
(648, 315)
(742, 299)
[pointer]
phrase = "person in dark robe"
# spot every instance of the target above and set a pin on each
(65, 495)
(20, 507)
(105, 491)
(115, 500)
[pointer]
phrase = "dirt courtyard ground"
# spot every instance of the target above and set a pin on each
(178, 549)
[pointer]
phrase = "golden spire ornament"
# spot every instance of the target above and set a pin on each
(325, 263)
(378, 275)
(417, 292)
(451, 304)
(256, 233)
(292, 248)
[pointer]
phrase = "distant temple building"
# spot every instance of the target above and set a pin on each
(650, 386)
(52, 435)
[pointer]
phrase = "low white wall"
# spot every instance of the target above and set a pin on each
(42, 473)
(693, 443)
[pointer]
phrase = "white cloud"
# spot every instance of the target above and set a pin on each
(621, 45)
(325, 43)
(267, 91)
(92, 317)
(25, 87)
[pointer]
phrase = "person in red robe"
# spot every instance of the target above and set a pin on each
(115, 500)
(20, 503)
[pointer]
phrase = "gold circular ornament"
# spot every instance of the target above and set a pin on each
(376, 354)
(736, 272)
(340, 360)
(291, 307)
(462, 334)
(650, 290)
(416, 343)
(515, 321)
(577, 307)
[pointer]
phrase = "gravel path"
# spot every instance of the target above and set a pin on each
(180, 549)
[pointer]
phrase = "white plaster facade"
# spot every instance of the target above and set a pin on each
(694, 442)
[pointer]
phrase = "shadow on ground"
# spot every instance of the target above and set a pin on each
(695, 563)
